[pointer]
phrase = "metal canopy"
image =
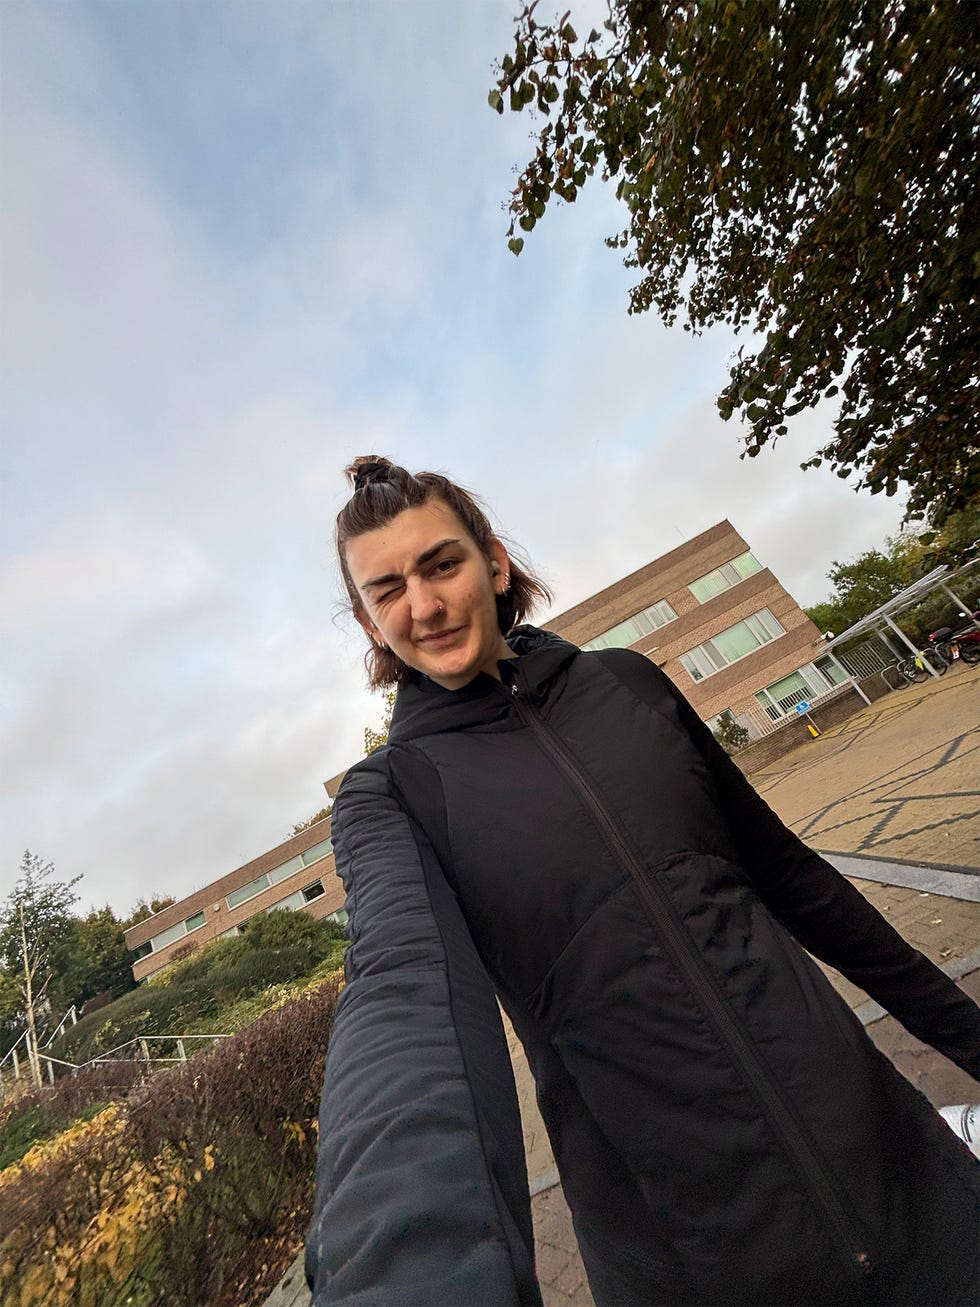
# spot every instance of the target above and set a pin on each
(907, 598)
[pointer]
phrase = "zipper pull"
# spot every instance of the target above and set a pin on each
(515, 690)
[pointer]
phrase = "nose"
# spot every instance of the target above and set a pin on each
(424, 602)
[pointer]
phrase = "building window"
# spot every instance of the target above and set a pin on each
(285, 869)
(831, 670)
(277, 874)
(729, 646)
(246, 892)
(170, 935)
(724, 577)
(317, 852)
(311, 892)
(782, 697)
(634, 628)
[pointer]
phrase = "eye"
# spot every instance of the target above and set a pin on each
(445, 565)
(388, 595)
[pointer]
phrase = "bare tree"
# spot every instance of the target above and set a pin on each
(34, 919)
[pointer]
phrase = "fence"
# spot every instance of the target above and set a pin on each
(12, 1055)
(140, 1044)
(760, 723)
(871, 656)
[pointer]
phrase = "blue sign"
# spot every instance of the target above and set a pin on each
(803, 707)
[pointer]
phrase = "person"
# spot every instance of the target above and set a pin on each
(559, 830)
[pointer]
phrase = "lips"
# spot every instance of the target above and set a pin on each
(439, 638)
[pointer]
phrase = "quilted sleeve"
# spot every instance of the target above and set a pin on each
(829, 916)
(421, 1194)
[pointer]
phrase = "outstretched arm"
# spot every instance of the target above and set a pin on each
(421, 1186)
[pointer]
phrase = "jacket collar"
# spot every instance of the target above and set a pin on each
(424, 708)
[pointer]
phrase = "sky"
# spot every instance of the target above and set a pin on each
(242, 243)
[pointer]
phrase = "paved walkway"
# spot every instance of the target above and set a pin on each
(892, 797)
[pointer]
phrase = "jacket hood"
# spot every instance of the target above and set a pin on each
(424, 708)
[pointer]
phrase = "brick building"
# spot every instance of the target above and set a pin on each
(709, 613)
(299, 873)
(719, 624)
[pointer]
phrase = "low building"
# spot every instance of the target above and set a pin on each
(299, 873)
(721, 626)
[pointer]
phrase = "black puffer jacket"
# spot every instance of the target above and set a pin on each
(724, 1129)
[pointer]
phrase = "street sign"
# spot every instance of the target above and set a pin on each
(803, 707)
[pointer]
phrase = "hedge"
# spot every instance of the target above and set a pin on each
(176, 1196)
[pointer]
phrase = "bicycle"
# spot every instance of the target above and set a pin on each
(914, 667)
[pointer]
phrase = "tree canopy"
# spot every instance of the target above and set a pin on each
(804, 170)
(864, 583)
(860, 586)
(91, 959)
(33, 922)
(144, 908)
(321, 815)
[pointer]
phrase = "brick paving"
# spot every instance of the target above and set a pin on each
(899, 781)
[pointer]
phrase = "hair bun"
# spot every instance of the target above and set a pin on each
(367, 469)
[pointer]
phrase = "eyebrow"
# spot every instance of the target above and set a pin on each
(425, 557)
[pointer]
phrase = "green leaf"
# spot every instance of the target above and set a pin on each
(516, 245)
(496, 101)
(526, 222)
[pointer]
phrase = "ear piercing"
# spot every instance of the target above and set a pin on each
(495, 571)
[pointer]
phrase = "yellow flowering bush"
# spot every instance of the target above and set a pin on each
(165, 1199)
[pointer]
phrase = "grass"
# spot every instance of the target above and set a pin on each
(19, 1135)
(228, 1020)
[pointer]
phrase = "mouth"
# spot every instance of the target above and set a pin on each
(439, 638)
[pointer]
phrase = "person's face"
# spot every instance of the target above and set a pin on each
(428, 593)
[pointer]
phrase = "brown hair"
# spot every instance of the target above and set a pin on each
(382, 490)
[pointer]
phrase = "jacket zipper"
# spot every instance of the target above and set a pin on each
(688, 960)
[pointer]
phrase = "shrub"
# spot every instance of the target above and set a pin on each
(730, 734)
(37, 1114)
(258, 968)
(176, 1198)
(283, 927)
(185, 950)
(197, 966)
(142, 1012)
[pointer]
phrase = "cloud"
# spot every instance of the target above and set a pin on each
(37, 587)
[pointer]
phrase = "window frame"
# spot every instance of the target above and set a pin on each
(651, 614)
(730, 578)
(709, 651)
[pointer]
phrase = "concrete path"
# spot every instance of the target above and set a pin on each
(892, 797)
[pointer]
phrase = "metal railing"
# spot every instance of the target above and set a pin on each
(139, 1042)
(11, 1054)
(871, 656)
(761, 723)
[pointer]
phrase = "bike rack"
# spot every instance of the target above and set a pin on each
(893, 667)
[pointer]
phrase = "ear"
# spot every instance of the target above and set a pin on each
(499, 567)
(368, 625)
